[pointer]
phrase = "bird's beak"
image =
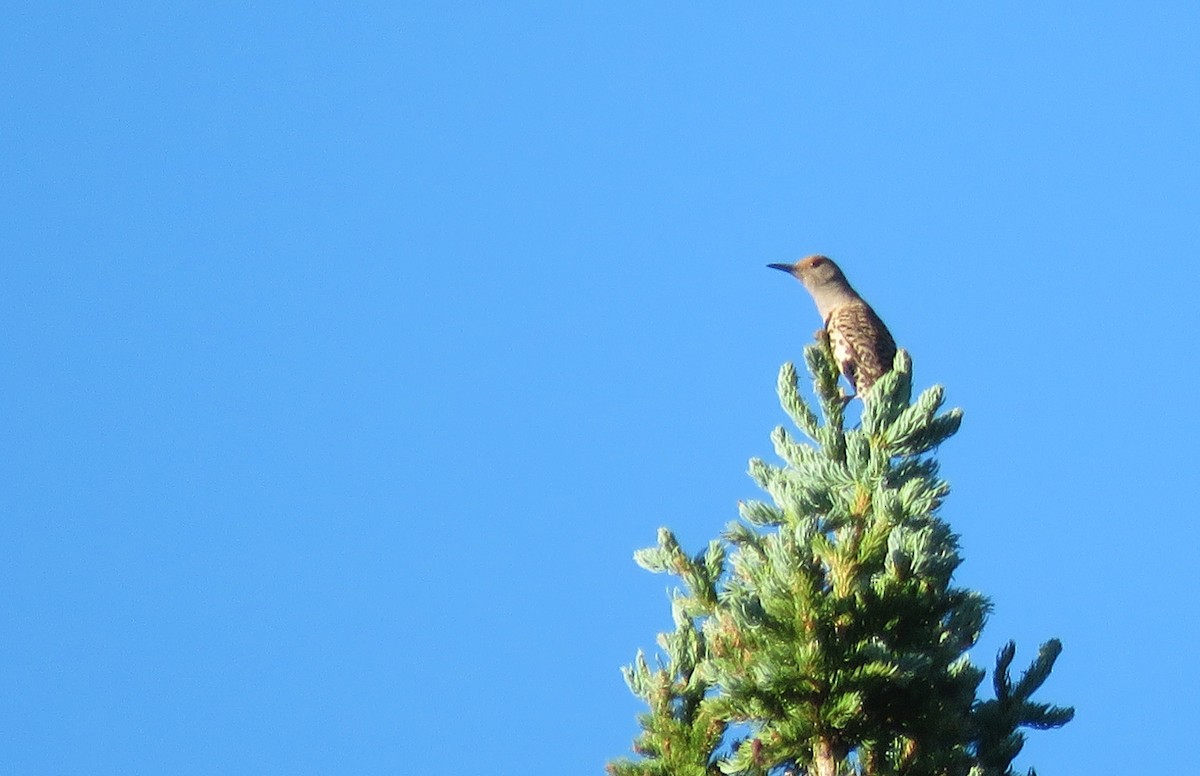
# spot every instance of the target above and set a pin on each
(782, 267)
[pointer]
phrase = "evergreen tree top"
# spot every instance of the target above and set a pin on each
(823, 633)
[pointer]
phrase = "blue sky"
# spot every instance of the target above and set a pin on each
(351, 351)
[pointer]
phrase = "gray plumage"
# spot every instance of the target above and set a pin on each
(861, 343)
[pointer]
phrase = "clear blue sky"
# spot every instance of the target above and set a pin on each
(349, 351)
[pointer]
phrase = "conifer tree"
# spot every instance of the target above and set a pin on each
(822, 634)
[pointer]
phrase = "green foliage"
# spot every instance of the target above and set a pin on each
(997, 722)
(825, 626)
(681, 731)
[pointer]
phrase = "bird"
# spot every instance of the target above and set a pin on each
(861, 343)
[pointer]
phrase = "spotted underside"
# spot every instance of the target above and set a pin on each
(862, 346)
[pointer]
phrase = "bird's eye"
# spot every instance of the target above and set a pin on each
(817, 262)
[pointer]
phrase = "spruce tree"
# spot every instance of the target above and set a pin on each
(822, 634)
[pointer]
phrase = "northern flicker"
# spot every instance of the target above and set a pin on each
(862, 346)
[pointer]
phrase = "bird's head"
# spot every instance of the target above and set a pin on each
(823, 279)
(815, 272)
